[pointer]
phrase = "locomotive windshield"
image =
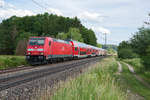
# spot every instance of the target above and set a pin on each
(36, 41)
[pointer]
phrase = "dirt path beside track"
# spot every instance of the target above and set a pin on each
(119, 68)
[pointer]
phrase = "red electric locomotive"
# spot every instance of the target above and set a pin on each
(44, 49)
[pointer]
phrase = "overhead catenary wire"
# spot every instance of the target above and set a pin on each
(38, 4)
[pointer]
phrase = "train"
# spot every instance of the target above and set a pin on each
(42, 50)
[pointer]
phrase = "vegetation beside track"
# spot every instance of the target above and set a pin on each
(7, 62)
(139, 68)
(98, 83)
(132, 85)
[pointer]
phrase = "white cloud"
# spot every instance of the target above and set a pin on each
(6, 13)
(101, 30)
(91, 16)
(55, 11)
(9, 10)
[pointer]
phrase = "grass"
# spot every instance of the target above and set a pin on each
(98, 83)
(9, 61)
(131, 83)
(139, 68)
(136, 63)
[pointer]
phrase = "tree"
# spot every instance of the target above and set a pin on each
(74, 34)
(62, 36)
(146, 22)
(145, 59)
(140, 43)
(99, 45)
(88, 36)
(21, 42)
(125, 53)
(125, 50)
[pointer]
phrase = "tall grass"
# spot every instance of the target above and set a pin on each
(136, 63)
(11, 61)
(97, 84)
(131, 83)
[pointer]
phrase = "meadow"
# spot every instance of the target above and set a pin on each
(10, 61)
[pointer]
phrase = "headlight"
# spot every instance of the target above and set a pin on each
(40, 49)
(30, 49)
(29, 53)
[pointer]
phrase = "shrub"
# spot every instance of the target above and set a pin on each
(11, 61)
(146, 58)
(126, 53)
(146, 61)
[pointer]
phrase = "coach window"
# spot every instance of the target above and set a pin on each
(76, 49)
(49, 43)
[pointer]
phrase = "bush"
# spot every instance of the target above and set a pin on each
(146, 58)
(11, 61)
(126, 53)
(146, 61)
(136, 63)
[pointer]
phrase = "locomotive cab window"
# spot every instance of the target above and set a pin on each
(36, 41)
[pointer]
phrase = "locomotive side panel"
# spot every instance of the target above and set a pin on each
(61, 49)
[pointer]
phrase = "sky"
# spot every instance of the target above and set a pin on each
(118, 19)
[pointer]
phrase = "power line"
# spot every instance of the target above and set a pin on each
(47, 4)
(105, 39)
(39, 4)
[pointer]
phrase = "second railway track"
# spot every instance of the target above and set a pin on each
(12, 81)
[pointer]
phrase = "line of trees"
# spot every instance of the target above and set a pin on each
(15, 31)
(137, 46)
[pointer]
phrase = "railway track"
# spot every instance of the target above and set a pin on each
(12, 81)
(15, 69)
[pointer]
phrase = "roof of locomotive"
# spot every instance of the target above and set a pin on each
(58, 40)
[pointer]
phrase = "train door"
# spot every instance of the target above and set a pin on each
(76, 51)
(48, 48)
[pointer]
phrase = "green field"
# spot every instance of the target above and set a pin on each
(99, 83)
(11, 61)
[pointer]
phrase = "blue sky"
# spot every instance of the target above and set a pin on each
(119, 19)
